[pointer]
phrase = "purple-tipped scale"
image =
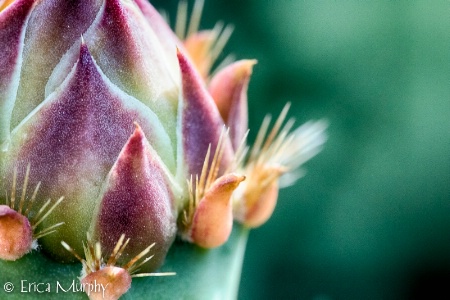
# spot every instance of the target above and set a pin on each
(201, 121)
(137, 201)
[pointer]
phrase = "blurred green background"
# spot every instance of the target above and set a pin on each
(371, 218)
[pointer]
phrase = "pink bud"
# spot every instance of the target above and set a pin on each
(108, 283)
(16, 234)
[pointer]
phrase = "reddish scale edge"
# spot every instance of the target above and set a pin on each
(201, 122)
(12, 25)
(229, 91)
(165, 34)
(130, 54)
(121, 39)
(53, 27)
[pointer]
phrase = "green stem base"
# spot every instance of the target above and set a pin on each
(201, 274)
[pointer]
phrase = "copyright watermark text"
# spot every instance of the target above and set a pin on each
(27, 286)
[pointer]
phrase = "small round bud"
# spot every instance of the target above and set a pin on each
(16, 234)
(108, 283)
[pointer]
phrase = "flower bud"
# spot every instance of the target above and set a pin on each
(89, 141)
(137, 201)
(18, 231)
(16, 235)
(75, 76)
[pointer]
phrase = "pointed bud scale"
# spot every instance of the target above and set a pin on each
(200, 121)
(229, 91)
(53, 27)
(140, 66)
(213, 219)
(16, 234)
(169, 41)
(72, 140)
(13, 20)
(137, 202)
(108, 283)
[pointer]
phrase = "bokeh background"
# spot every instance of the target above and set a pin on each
(371, 218)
